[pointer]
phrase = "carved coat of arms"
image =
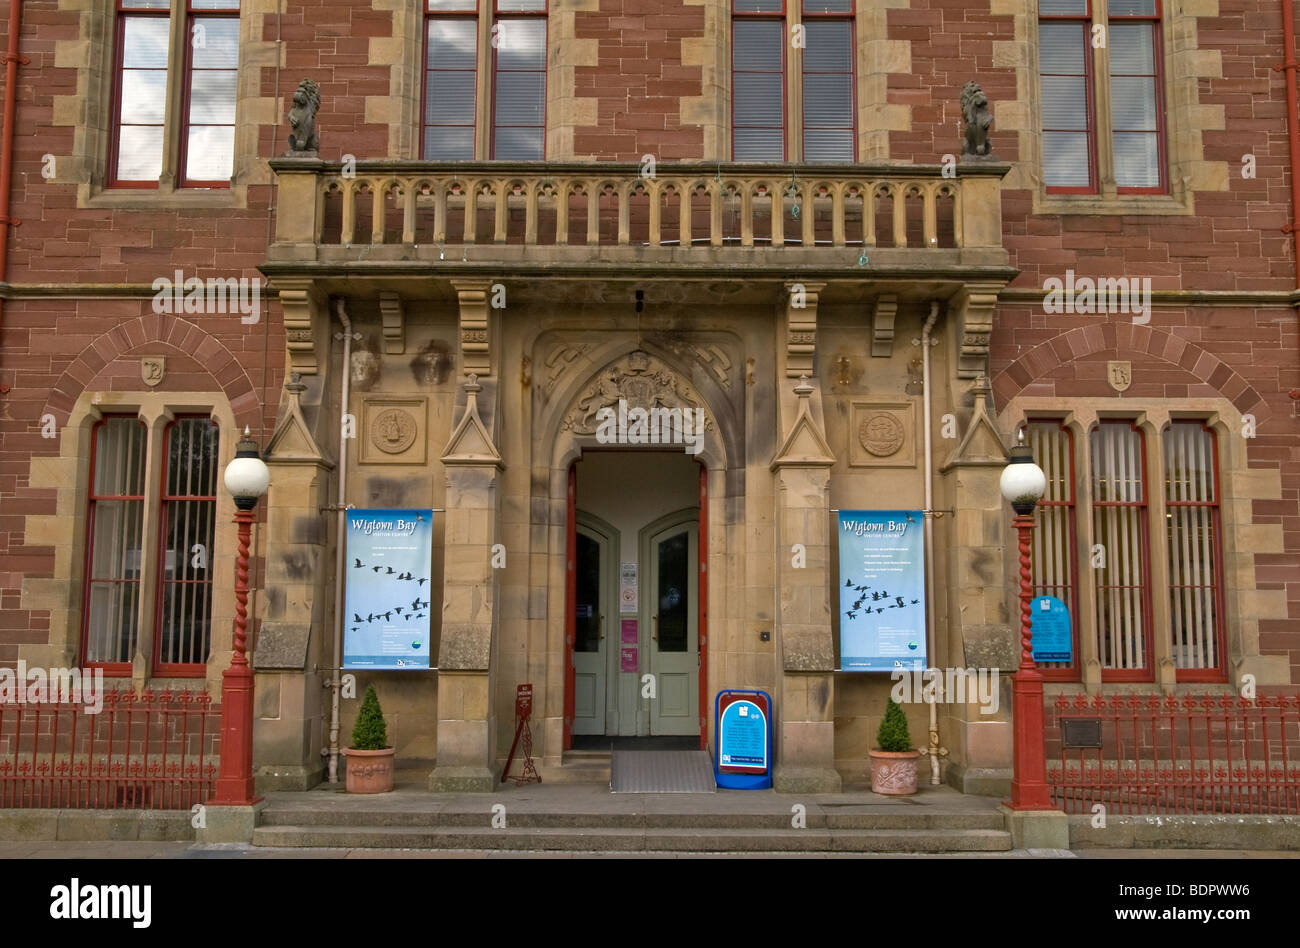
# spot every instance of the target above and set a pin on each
(640, 381)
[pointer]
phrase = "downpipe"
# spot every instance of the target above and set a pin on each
(341, 512)
(934, 751)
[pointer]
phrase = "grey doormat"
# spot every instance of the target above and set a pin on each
(661, 772)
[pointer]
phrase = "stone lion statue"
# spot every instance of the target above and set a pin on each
(302, 118)
(975, 110)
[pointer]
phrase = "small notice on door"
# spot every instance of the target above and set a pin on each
(629, 659)
(628, 599)
(628, 631)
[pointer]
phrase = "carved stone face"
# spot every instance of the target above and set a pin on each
(365, 369)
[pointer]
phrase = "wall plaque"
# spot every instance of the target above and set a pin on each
(394, 430)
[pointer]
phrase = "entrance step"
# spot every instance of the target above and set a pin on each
(601, 839)
(578, 766)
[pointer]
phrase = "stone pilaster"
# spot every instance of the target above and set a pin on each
(470, 619)
(805, 739)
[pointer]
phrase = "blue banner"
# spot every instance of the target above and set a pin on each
(882, 590)
(388, 594)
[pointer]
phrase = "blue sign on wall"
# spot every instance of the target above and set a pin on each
(743, 723)
(1050, 628)
(882, 590)
(388, 589)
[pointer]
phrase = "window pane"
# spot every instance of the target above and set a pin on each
(1132, 7)
(212, 97)
(215, 41)
(139, 152)
(1117, 478)
(210, 153)
(1065, 159)
(113, 578)
(144, 42)
(673, 602)
(588, 621)
(829, 46)
(448, 143)
(757, 6)
(1063, 7)
(521, 99)
(1052, 551)
(827, 6)
(508, 6)
(1137, 160)
(214, 4)
(1193, 544)
(1065, 102)
(521, 44)
(188, 510)
(1132, 49)
(146, 4)
(828, 101)
(452, 44)
(460, 5)
(758, 99)
(519, 144)
(450, 98)
(828, 144)
(1133, 104)
(144, 96)
(757, 45)
(1061, 48)
(759, 144)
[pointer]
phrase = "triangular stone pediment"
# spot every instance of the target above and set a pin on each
(981, 445)
(470, 442)
(292, 441)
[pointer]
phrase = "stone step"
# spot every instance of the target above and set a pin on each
(625, 840)
(326, 817)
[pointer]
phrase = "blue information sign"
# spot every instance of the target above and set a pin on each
(1050, 627)
(743, 723)
(388, 590)
(882, 590)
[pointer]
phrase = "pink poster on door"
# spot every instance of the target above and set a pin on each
(629, 631)
(629, 659)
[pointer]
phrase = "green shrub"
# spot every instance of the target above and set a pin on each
(370, 733)
(893, 735)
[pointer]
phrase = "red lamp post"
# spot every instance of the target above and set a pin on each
(1023, 484)
(247, 479)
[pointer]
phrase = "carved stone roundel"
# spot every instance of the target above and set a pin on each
(881, 434)
(393, 430)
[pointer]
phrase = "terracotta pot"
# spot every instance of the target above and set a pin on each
(370, 771)
(893, 772)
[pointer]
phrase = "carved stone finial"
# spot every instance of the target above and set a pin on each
(303, 139)
(978, 118)
(471, 384)
(295, 386)
(804, 388)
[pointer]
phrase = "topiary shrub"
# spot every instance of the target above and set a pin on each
(370, 733)
(893, 735)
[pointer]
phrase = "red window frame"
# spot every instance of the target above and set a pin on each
(1219, 672)
(745, 16)
(193, 13)
(1157, 59)
(160, 667)
(851, 17)
(121, 14)
(1145, 672)
(1084, 20)
(1057, 671)
(497, 16)
(110, 669)
(424, 71)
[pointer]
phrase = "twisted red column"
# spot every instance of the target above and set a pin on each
(1029, 780)
(235, 777)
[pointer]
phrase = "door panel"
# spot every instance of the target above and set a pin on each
(672, 586)
(590, 638)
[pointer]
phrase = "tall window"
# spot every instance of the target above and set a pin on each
(828, 80)
(122, 555)
(189, 507)
(1082, 43)
(1119, 527)
(451, 71)
(1193, 539)
(114, 548)
(204, 120)
(513, 51)
(814, 40)
(1053, 556)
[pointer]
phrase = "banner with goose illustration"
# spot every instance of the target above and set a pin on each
(387, 592)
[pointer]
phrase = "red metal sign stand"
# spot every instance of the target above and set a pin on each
(523, 710)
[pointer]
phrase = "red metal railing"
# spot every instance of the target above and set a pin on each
(157, 751)
(1197, 754)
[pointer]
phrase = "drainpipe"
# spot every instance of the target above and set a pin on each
(12, 59)
(1293, 128)
(928, 518)
(341, 512)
